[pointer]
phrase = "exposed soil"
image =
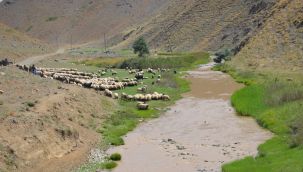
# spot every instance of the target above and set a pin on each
(36, 59)
(47, 125)
(200, 133)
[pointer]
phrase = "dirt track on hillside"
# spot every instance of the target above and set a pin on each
(36, 59)
(200, 133)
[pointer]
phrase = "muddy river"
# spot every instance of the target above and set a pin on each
(199, 133)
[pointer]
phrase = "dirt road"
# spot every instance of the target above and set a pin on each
(35, 59)
(200, 132)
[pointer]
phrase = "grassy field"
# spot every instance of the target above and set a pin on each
(127, 116)
(276, 102)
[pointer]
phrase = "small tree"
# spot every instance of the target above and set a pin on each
(140, 47)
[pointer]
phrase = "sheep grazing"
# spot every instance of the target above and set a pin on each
(165, 97)
(147, 97)
(142, 89)
(108, 93)
(139, 75)
(115, 95)
(132, 71)
(149, 70)
(158, 80)
(142, 106)
(114, 72)
(123, 96)
(163, 70)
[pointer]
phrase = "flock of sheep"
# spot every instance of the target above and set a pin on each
(106, 84)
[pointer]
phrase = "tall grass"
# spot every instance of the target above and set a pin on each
(277, 104)
(280, 92)
(103, 61)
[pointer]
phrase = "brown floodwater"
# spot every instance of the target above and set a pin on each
(199, 133)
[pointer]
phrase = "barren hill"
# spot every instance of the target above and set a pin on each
(205, 25)
(16, 45)
(279, 44)
(76, 21)
(177, 25)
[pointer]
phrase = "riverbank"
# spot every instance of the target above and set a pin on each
(199, 133)
(275, 101)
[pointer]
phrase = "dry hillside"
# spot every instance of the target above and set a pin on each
(76, 21)
(205, 25)
(45, 123)
(279, 44)
(16, 45)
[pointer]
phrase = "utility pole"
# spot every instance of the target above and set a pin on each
(105, 46)
(169, 45)
(71, 41)
(57, 41)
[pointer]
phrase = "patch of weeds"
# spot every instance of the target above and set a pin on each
(53, 18)
(30, 104)
(115, 157)
(92, 167)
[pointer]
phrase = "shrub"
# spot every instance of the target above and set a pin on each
(115, 157)
(30, 104)
(222, 55)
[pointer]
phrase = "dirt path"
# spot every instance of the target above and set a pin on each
(35, 59)
(199, 133)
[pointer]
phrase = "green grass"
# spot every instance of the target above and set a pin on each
(277, 104)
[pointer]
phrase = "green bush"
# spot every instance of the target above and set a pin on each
(115, 157)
